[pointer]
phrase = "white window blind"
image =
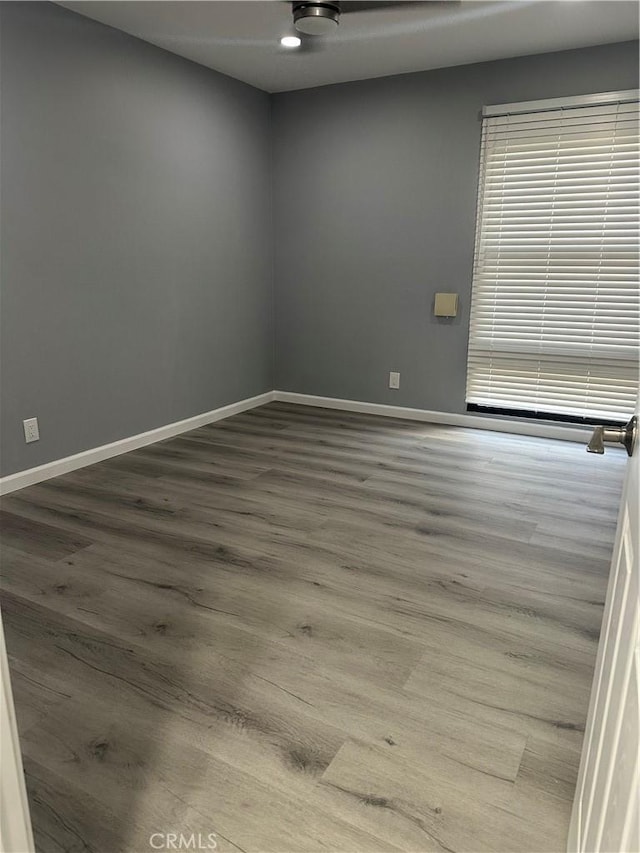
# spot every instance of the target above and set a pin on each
(554, 315)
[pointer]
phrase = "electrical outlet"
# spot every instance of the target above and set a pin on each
(31, 431)
(394, 380)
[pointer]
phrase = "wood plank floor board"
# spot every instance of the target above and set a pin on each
(65, 817)
(39, 538)
(189, 453)
(168, 605)
(343, 420)
(504, 551)
(442, 816)
(115, 607)
(231, 705)
(517, 683)
(156, 531)
(162, 778)
(305, 629)
(154, 466)
(545, 626)
(236, 606)
(359, 506)
(116, 753)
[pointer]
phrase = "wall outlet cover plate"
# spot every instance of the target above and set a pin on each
(31, 431)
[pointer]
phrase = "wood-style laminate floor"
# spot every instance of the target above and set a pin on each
(306, 630)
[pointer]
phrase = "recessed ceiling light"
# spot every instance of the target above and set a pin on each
(290, 41)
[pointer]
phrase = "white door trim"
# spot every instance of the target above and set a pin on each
(15, 823)
(605, 809)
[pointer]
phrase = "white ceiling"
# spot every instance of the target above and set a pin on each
(241, 37)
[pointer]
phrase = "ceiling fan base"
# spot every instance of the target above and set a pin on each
(316, 19)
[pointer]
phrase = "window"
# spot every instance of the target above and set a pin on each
(554, 314)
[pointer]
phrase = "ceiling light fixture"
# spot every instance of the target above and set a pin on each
(315, 19)
(290, 41)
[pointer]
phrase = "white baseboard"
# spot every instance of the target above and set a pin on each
(538, 429)
(13, 482)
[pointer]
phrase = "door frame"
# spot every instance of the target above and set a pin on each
(16, 835)
(609, 692)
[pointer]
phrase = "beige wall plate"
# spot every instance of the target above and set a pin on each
(446, 305)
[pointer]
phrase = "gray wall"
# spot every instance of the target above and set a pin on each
(375, 188)
(136, 236)
(137, 233)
